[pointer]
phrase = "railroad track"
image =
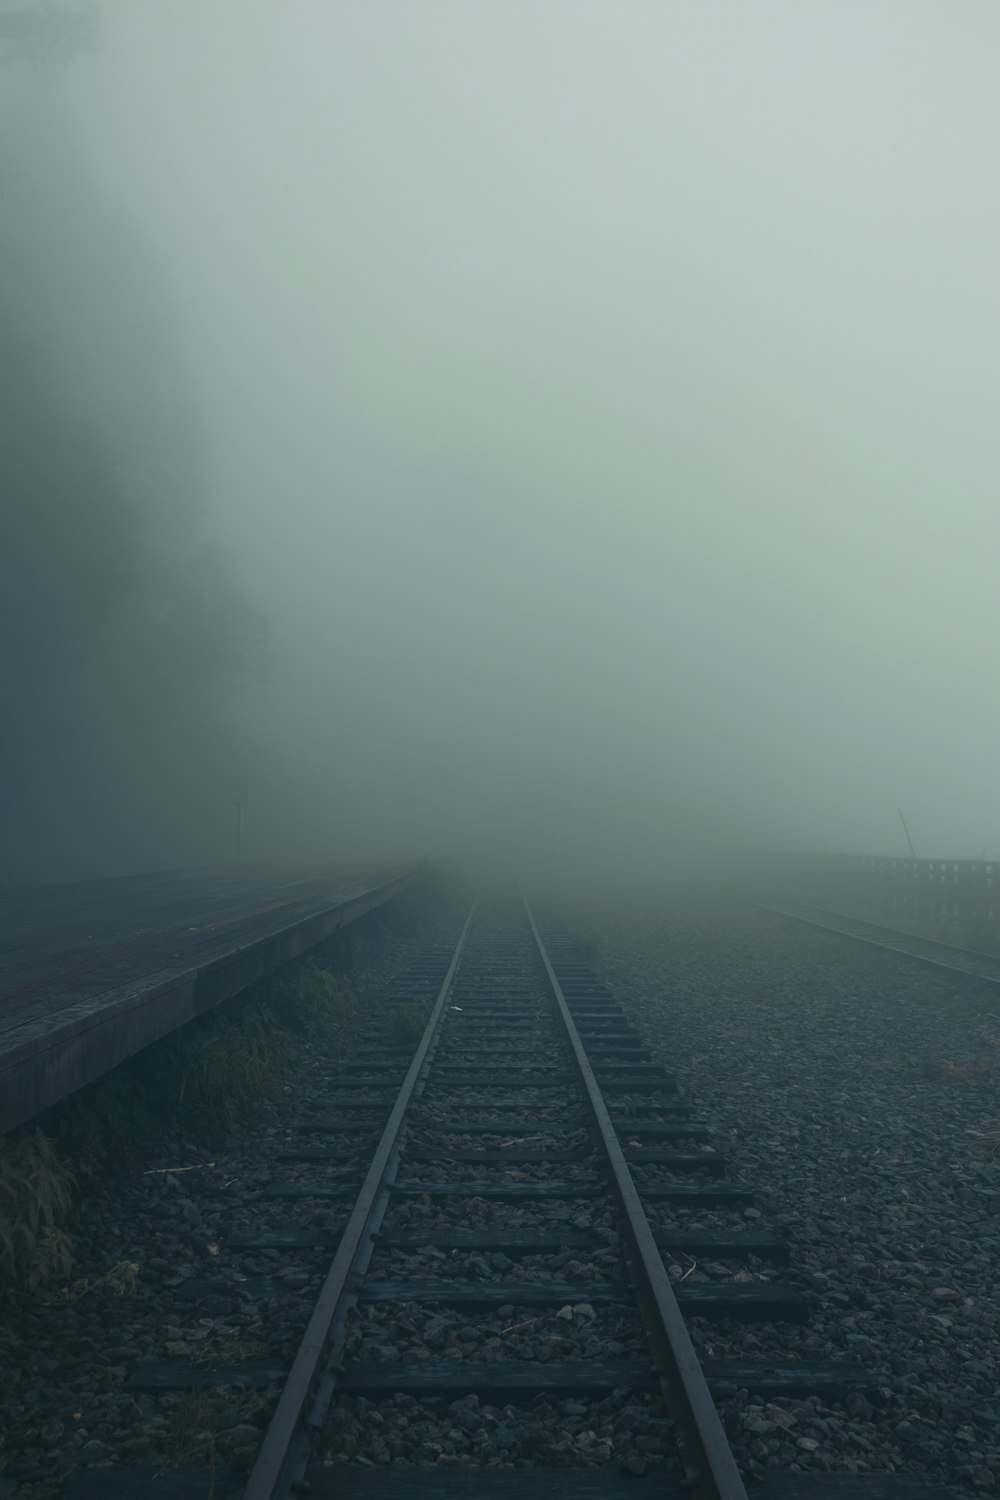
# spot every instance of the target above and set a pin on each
(530, 1100)
(948, 958)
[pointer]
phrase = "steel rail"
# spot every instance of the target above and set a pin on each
(284, 1454)
(952, 970)
(708, 1459)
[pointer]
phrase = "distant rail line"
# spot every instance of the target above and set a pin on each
(947, 958)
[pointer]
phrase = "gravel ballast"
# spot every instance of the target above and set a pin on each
(858, 1095)
(67, 1356)
(855, 1095)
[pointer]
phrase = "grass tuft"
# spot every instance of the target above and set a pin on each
(311, 999)
(122, 1279)
(200, 1423)
(404, 1025)
(218, 1349)
(36, 1194)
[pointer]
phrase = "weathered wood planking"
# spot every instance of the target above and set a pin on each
(66, 1018)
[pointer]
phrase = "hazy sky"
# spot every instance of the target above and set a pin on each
(601, 402)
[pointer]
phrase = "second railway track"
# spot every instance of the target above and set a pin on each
(949, 959)
(513, 1186)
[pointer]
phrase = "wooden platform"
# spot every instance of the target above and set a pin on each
(92, 973)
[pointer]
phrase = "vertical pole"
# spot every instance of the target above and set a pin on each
(907, 832)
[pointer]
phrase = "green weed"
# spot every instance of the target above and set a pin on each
(223, 1066)
(219, 1350)
(122, 1279)
(199, 1423)
(404, 1025)
(311, 999)
(36, 1195)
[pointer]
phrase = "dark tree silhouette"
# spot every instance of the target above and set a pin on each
(123, 636)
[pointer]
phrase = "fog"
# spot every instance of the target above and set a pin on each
(563, 433)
